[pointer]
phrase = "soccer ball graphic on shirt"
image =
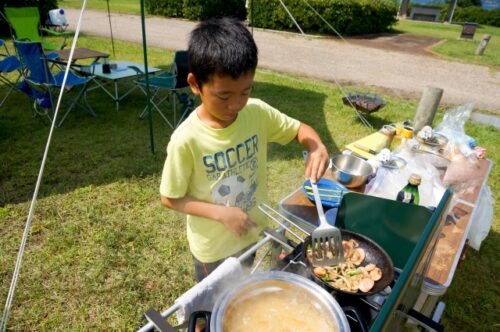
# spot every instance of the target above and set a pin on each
(231, 191)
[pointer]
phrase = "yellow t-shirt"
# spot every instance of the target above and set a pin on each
(227, 167)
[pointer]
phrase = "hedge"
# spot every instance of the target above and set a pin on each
(347, 17)
(43, 5)
(477, 15)
(197, 9)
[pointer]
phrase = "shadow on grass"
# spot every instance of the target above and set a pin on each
(89, 151)
(304, 105)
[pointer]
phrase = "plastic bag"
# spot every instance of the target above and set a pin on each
(481, 223)
(452, 127)
(388, 182)
(461, 169)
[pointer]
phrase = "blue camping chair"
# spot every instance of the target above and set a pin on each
(168, 85)
(39, 83)
(10, 71)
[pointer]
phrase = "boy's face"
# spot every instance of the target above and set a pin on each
(222, 98)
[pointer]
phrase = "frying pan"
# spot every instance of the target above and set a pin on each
(373, 254)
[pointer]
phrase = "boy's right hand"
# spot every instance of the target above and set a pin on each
(236, 220)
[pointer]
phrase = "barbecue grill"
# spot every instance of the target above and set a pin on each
(410, 245)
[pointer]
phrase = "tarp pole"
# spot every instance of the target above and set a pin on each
(111, 29)
(146, 71)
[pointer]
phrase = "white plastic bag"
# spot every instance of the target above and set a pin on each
(388, 182)
(483, 218)
(452, 127)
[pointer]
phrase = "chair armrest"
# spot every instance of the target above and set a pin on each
(56, 33)
(52, 56)
(136, 69)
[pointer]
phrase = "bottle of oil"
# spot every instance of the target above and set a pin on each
(409, 194)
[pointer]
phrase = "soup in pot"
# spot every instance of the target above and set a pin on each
(277, 306)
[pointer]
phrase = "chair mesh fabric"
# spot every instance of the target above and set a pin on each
(181, 63)
(25, 21)
(34, 60)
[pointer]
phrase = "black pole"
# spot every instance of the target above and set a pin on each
(111, 29)
(146, 71)
(251, 15)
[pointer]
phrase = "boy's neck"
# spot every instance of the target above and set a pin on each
(212, 121)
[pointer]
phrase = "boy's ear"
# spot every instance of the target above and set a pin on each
(193, 84)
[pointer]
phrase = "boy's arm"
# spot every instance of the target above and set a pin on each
(317, 158)
(233, 218)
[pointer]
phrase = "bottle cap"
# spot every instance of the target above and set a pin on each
(415, 179)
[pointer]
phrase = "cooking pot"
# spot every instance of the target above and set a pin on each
(351, 171)
(265, 295)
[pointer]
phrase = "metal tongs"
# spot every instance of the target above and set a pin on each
(275, 216)
(326, 240)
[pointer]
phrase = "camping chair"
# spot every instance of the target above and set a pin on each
(9, 66)
(170, 84)
(25, 21)
(39, 83)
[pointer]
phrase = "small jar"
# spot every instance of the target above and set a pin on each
(389, 131)
(106, 68)
(407, 132)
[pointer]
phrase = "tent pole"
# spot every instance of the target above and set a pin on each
(111, 29)
(146, 71)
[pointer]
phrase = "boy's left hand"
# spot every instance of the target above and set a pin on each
(317, 163)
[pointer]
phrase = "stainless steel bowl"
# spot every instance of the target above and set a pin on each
(260, 283)
(350, 170)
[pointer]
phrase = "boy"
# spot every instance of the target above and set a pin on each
(215, 170)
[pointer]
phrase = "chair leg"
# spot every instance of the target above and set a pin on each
(74, 103)
(11, 87)
(7, 95)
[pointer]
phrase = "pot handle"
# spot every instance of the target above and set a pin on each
(354, 314)
(197, 315)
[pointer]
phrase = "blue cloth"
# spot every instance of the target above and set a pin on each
(42, 98)
(9, 64)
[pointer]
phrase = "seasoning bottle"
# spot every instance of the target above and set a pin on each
(106, 68)
(409, 194)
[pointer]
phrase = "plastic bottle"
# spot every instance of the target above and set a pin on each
(410, 194)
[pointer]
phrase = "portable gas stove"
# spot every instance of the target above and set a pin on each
(388, 310)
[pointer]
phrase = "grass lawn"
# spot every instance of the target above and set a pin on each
(454, 48)
(102, 249)
(121, 6)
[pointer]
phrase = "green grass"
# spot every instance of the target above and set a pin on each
(121, 6)
(102, 249)
(454, 48)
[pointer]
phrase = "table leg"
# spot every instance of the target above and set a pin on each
(117, 100)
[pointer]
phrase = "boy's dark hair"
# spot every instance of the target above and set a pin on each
(221, 46)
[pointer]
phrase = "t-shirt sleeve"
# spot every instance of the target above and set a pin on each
(177, 170)
(281, 128)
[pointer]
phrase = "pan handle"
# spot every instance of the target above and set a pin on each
(193, 319)
(354, 314)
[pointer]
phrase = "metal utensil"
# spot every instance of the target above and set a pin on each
(325, 238)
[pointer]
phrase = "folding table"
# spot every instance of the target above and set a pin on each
(121, 73)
